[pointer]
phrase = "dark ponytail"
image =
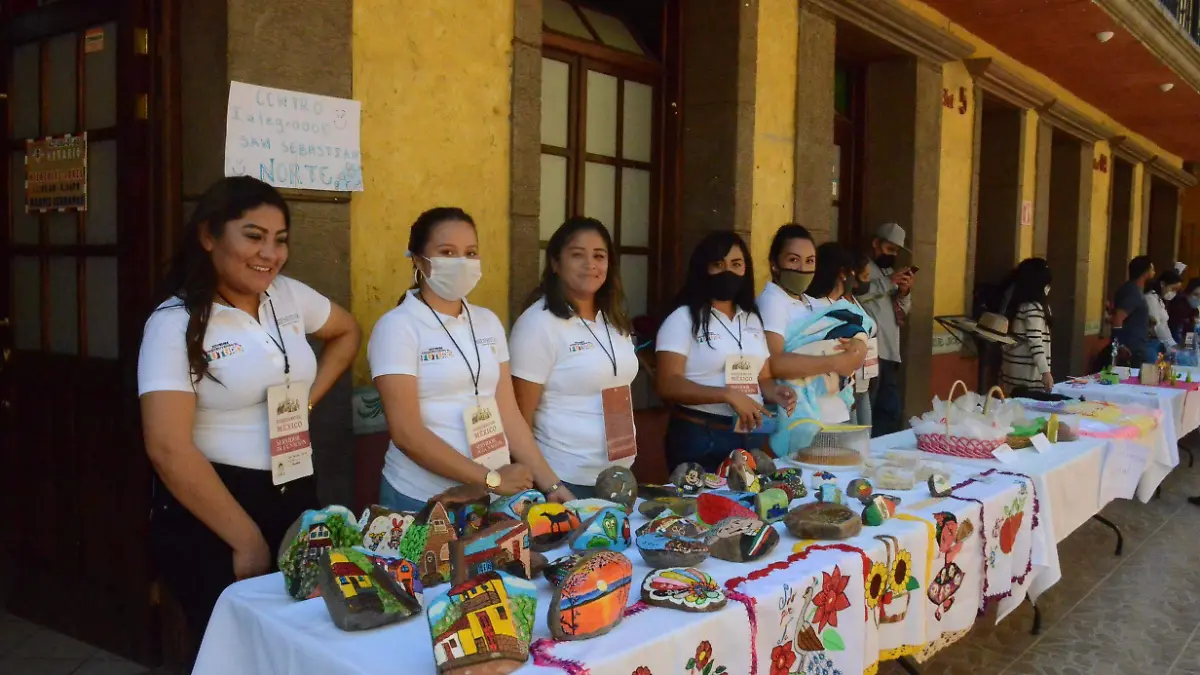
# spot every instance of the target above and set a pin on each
(192, 279)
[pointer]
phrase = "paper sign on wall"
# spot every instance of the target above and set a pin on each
(1026, 213)
(56, 173)
(291, 139)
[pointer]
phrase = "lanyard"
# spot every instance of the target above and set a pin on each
(736, 338)
(478, 370)
(611, 353)
(287, 366)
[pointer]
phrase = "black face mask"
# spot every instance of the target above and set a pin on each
(724, 286)
(862, 287)
(886, 260)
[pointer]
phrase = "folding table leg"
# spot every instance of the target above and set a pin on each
(1037, 619)
(1112, 526)
(908, 665)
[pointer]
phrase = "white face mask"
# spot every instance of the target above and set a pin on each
(1169, 296)
(1047, 290)
(453, 278)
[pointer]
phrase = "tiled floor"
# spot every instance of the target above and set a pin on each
(1137, 614)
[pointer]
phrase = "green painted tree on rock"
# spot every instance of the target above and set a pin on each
(413, 543)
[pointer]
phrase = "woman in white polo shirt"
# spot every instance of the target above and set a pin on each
(230, 333)
(573, 358)
(712, 357)
(441, 367)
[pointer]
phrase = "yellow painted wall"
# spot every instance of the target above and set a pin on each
(774, 126)
(1029, 177)
(434, 79)
(1098, 245)
(954, 193)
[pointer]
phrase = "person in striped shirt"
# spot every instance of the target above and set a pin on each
(1026, 364)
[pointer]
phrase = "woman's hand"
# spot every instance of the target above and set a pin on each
(514, 478)
(749, 412)
(1048, 382)
(850, 358)
(783, 396)
(560, 495)
(253, 559)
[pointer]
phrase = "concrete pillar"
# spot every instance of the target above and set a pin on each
(1120, 239)
(814, 122)
(999, 192)
(526, 119)
(904, 141)
(1041, 199)
(1070, 207)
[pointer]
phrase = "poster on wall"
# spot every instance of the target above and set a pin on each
(294, 140)
(56, 173)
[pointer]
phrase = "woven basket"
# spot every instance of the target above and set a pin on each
(960, 446)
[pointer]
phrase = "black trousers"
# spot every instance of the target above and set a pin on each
(194, 563)
(887, 404)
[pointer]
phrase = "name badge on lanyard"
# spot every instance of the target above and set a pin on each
(741, 374)
(291, 447)
(619, 432)
(485, 434)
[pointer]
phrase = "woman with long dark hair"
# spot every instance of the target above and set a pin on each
(1026, 364)
(230, 334)
(441, 366)
(712, 357)
(573, 358)
(1159, 292)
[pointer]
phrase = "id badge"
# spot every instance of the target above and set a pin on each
(619, 432)
(485, 434)
(287, 423)
(870, 367)
(741, 374)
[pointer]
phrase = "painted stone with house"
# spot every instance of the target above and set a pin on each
(483, 626)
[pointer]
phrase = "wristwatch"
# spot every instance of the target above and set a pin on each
(492, 480)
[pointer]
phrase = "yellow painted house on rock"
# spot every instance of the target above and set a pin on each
(1048, 128)
(486, 624)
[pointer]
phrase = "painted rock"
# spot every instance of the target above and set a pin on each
(383, 529)
(431, 539)
(790, 473)
(820, 478)
(592, 598)
(823, 521)
(688, 477)
(684, 588)
(772, 505)
(742, 479)
(586, 508)
(742, 539)
(737, 459)
(467, 506)
(608, 530)
(537, 563)
(550, 525)
(939, 485)
(496, 548)
(662, 550)
(713, 481)
(879, 510)
(655, 491)
(713, 507)
(483, 625)
(793, 479)
(513, 507)
(558, 569)
(860, 489)
(403, 572)
(763, 463)
(617, 484)
(680, 506)
(313, 535)
(360, 595)
(830, 493)
(672, 526)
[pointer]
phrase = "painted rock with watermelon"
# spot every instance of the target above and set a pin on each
(713, 507)
(742, 539)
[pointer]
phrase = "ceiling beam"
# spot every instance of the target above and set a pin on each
(1173, 175)
(1005, 84)
(1070, 120)
(893, 22)
(1130, 150)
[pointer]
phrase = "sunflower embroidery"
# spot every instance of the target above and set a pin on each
(901, 573)
(876, 583)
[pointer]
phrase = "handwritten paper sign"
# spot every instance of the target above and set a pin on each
(56, 174)
(293, 140)
(1123, 467)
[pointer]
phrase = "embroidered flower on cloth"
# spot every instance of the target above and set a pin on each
(703, 656)
(642, 670)
(876, 582)
(832, 598)
(821, 665)
(782, 659)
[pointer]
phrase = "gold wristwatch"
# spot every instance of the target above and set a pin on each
(492, 480)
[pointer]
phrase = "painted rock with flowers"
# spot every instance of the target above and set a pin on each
(314, 534)
(592, 598)
(662, 550)
(742, 539)
(683, 588)
(618, 485)
(608, 530)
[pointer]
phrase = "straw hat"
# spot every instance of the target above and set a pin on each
(994, 328)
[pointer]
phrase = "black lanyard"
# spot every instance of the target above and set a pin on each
(736, 338)
(612, 352)
(475, 372)
(287, 366)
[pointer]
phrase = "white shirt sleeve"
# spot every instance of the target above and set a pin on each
(313, 307)
(774, 310)
(394, 346)
(533, 348)
(675, 335)
(163, 361)
(497, 329)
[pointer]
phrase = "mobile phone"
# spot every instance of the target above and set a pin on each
(914, 269)
(769, 424)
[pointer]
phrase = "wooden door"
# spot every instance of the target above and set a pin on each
(75, 287)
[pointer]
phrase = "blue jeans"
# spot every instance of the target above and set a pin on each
(390, 498)
(688, 441)
(580, 491)
(861, 414)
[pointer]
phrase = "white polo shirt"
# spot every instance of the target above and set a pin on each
(568, 358)
(706, 354)
(779, 308)
(231, 411)
(410, 340)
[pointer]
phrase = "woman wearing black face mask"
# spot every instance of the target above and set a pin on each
(712, 357)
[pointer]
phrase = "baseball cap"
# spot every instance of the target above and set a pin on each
(892, 233)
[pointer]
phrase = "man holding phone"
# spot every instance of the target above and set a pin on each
(887, 300)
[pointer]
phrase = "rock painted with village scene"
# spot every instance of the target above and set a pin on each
(311, 536)
(359, 595)
(483, 626)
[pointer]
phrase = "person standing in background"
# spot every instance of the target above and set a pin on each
(1182, 311)
(861, 284)
(1158, 293)
(1026, 364)
(1131, 316)
(887, 300)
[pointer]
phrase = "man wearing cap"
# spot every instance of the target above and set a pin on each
(887, 301)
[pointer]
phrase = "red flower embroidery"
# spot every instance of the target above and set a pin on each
(704, 654)
(782, 659)
(832, 598)
(642, 670)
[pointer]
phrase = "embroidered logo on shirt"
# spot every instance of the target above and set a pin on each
(710, 338)
(486, 341)
(289, 319)
(436, 354)
(222, 350)
(579, 346)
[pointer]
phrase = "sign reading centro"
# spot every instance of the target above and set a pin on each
(56, 173)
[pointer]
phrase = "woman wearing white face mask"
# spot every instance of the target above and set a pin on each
(441, 367)
(1158, 293)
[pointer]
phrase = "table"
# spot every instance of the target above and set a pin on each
(1018, 512)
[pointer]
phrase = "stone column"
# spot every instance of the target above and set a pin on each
(1070, 221)
(524, 236)
(1165, 216)
(1041, 200)
(814, 122)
